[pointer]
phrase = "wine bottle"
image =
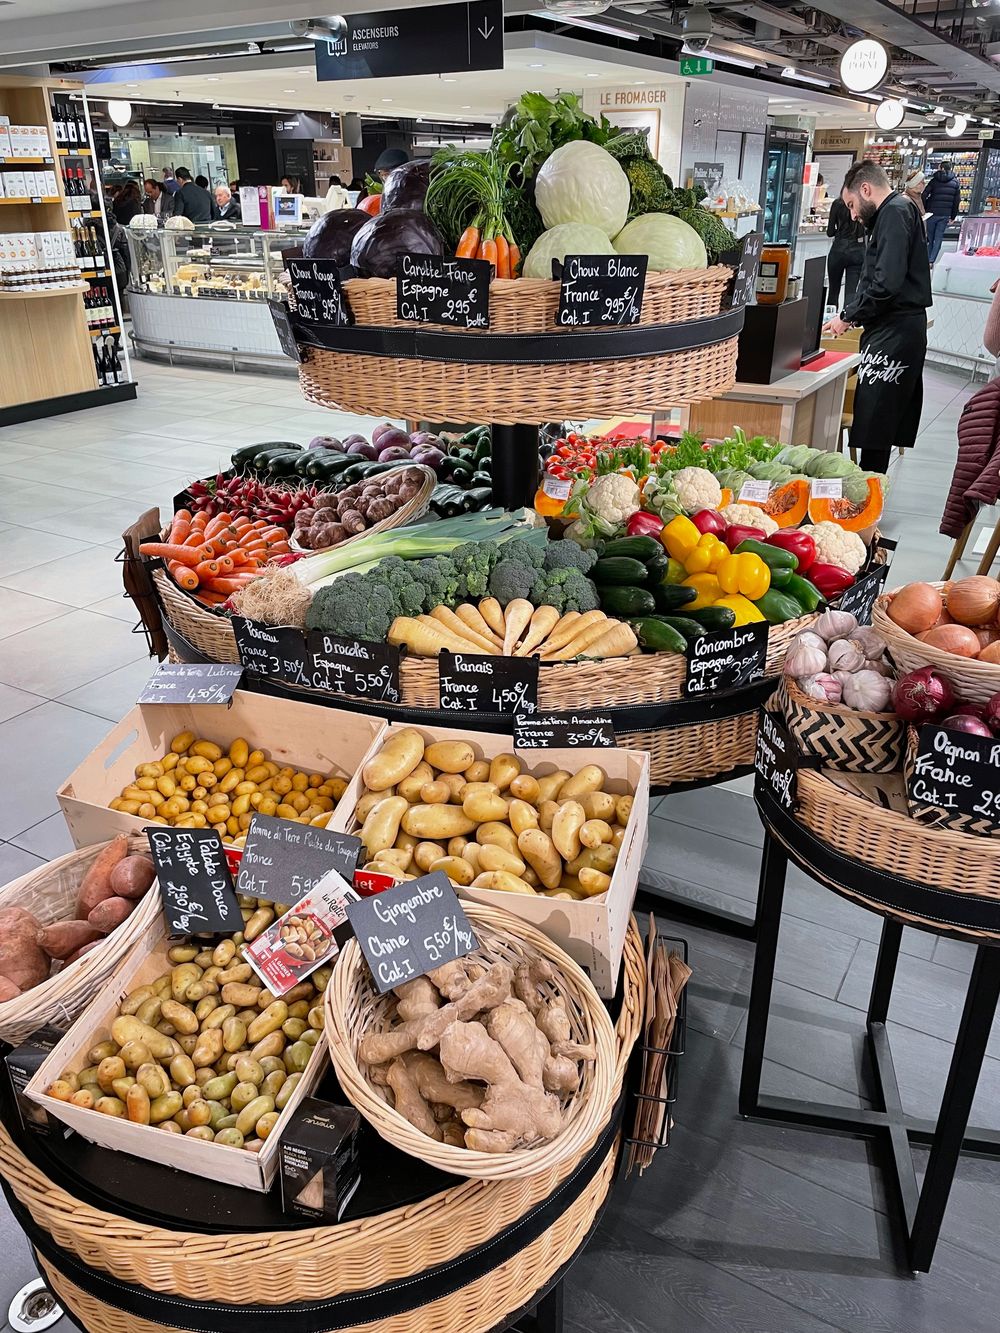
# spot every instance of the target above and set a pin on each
(99, 365)
(59, 121)
(109, 309)
(118, 367)
(97, 244)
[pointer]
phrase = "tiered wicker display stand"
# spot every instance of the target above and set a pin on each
(131, 1247)
(944, 882)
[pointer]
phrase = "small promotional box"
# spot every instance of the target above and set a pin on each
(15, 185)
(22, 1064)
(5, 148)
(51, 190)
(31, 184)
(320, 1164)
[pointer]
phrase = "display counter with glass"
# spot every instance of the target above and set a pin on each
(203, 292)
(960, 283)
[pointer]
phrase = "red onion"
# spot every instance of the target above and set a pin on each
(969, 710)
(923, 695)
(963, 722)
(991, 713)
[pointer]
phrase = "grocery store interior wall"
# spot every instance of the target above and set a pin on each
(726, 125)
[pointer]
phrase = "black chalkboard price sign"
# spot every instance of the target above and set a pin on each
(468, 683)
(195, 883)
(411, 929)
(439, 289)
(191, 683)
(727, 660)
(283, 860)
(955, 780)
(861, 596)
(776, 760)
(600, 290)
(563, 731)
(745, 281)
(281, 317)
(353, 666)
(272, 650)
(319, 297)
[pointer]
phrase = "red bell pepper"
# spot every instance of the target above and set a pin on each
(742, 532)
(831, 580)
(641, 524)
(709, 520)
(799, 543)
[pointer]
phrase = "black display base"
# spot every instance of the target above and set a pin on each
(515, 465)
(70, 402)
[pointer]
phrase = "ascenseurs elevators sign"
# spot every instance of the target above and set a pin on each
(433, 39)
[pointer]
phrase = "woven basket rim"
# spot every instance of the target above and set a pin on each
(836, 710)
(969, 673)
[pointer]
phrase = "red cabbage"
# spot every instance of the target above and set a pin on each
(406, 185)
(331, 236)
(385, 238)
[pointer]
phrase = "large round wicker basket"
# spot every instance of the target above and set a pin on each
(842, 737)
(50, 893)
(974, 681)
(354, 1007)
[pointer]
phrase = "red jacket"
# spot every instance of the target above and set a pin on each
(976, 479)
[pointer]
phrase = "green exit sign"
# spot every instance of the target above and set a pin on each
(693, 66)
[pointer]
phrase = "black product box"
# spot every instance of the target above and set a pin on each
(23, 1063)
(319, 1160)
(771, 341)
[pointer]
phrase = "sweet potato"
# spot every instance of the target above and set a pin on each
(22, 960)
(109, 913)
(8, 990)
(132, 877)
(96, 886)
(79, 953)
(65, 937)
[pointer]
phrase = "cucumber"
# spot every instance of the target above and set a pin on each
(687, 628)
(482, 479)
(673, 596)
(329, 467)
(658, 635)
(244, 457)
(483, 450)
(264, 455)
(478, 497)
(713, 617)
(462, 476)
(282, 465)
(639, 548)
(619, 569)
(626, 600)
(366, 468)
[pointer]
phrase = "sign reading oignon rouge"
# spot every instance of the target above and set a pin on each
(283, 860)
(468, 683)
(437, 289)
(957, 774)
(597, 290)
(319, 298)
(563, 731)
(353, 666)
(191, 683)
(272, 650)
(726, 660)
(411, 929)
(436, 39)
(195, 883)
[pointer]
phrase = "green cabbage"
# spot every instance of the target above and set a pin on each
(580, 182)
(669, 242)
(570, 238)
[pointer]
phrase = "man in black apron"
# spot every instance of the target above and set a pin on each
(891, 304)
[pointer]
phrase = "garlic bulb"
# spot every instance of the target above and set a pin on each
(822, 686)
(872, 643)
(867, 691)
(805, 658)
(846, 655)
(879, 665)
(835, 625)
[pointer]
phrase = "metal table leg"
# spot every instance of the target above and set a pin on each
(773, 867)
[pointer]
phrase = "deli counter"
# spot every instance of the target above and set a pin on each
(960, 285)
(202, 293)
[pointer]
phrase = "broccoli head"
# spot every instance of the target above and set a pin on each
(443, 584)
(356, 606)
(401, 578)
(567, 589)
(568, 555)
(511, 579)
(473, 562)
(712, 230)
(528, 553)
(650, 186)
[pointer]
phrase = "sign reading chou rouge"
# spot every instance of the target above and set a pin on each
(411, 929)
(436, 289)
(600, 290)
(319, 297)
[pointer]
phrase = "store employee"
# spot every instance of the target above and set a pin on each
(191, 201)
(891, 305)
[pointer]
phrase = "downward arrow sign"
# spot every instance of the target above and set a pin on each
(486, 31)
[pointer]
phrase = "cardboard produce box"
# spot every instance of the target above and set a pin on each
(307, 736)
(231, 1166)
(592, 931)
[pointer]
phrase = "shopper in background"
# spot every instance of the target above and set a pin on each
(941, 198)
(847, 253)
(229, 208)
(202, 181)
(914, 190)
(891, 304)
(358, 186)
(290, 185)
(192, 201)
(388, 160)
(120, 257)
(127, 203)
(336, 195)
(158, 203)
(169, 183)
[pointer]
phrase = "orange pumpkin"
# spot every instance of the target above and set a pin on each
(853, 517)
(788, 504)
(372, 203)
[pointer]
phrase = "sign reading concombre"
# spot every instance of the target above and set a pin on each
(864, 65)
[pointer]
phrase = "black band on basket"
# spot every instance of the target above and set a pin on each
(337, 1312)
(963, 911)
(535, 349)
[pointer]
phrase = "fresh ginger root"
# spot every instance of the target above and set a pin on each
(512, 1025)
(409, 1102)
(491, 989)
(561, 1075)
(375, 1048)
(435, 1087)
(452, 979)
(511, 1107)
(417, 998)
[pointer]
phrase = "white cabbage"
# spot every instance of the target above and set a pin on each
(670, 243)
(570, 238)
(581, 182)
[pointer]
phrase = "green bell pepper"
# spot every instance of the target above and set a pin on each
(777, 606)
(805, 593)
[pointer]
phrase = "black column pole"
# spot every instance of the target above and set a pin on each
(885, 970)
(515, 465)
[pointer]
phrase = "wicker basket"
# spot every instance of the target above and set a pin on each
(974, 681)
(353, 1007)
(50, 892)
(843, 737)
(414, 508)
(315, 1263)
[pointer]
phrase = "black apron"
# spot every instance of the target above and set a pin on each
(890, 389)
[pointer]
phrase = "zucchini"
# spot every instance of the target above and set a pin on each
(483, 450)
(618, 569)
(264, 456)
(478, 497)
(639, 548)
(328, 467)
(282, 465)
(448, 501)
(626, 600)
(658, 635)
(366, 468)
(673, 596)
(482, 479)
(688, 629)
(656, 570)
(244, 457)
(462, 475)
(713, 617)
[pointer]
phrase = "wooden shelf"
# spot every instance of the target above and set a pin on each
(74, 152)
(96, 273)
(18, 161)
(41, 296)
(34, 199)
(104, 333)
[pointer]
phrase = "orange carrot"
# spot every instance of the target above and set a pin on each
(231, 583)
(503, 256)
(217, 524)
(212, 598)
(208, 569)
(225, 563)
(180, 527)
(468, 244)
(210, 549)
(238, 557)
(280, 548)
(183, 576)
(488, 251)
(514, 259)
(184, 555)
(199, 521)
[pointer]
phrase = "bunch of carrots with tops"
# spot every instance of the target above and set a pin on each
(490, 243)
(215, 557)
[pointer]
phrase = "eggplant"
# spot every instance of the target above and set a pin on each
(406, 185)
(404, 231)
(332, 235)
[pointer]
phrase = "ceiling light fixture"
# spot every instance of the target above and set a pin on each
(120, 112)
(955, 126)
(720, 58)
(889, 114)
(574, 20)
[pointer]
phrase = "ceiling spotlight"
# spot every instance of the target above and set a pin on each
(329, 29)
(120, 112)
(955, 126)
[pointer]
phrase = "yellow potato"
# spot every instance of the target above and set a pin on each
(589, 778)
(599, 805)
(396, 760)
(456, 846)
(525, 788)
(411, 785)
(239, 752)
(434, 793)
(437, 822)
(369, 799)
(550, 786)
(382, 824)
(596, 831)
(483, 806)
(593, 881)
(601, 858)
(493, 857)
(617, 838)
(426, 852)
(478, 772)
(454, 782)
(504, 768)
(623, 809)
(472, 852)
(500, 835)
(125, 1029)
(207, 750)
(400, 857)
(456, 868)
(547, 812)
(569, 820)
(182, 742)
(450, 756)
(502, 882)
(522, 815)
(539, 851)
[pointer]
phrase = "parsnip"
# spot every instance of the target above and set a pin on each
(492, 612)
(618, 641)
(542, 623)
(480, 643)
(426, 637)
(516, 620)
(475, 621)
(572, 624)
(581, 644)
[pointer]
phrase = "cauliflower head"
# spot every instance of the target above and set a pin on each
(836, 546)
(697, 488)
(750, 516)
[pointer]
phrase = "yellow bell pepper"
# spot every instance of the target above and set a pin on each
(707, 556)
(745, 611)
(745, 574)
(708, 589)
(680, 536)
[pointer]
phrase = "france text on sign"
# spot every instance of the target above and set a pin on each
(436, 39)
(958, 774)
(745, 282)
(468, 683)
(304, 938)
(353, 666)
(319, 298)
(563, 731)
(596, 290)
(282, 320)
(861, 596)
(411, 929)
(775, 760)
(272, 650)
(438, 289)
(727, 660)
(195, 883)
(191, 683)
(283, 861)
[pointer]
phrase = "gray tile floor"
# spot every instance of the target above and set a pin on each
(738, 1227)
